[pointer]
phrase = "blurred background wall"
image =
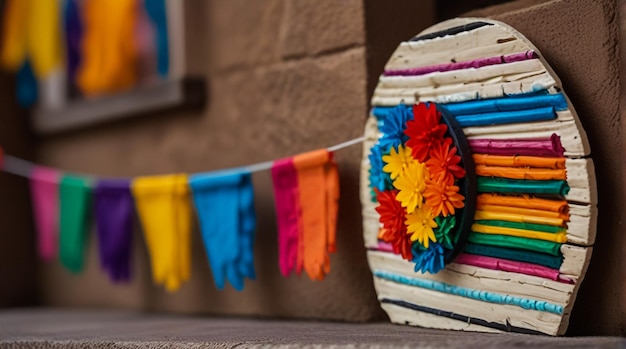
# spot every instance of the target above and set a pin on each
(283, 77)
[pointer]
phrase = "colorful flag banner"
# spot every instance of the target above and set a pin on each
(318, 192)
(156, 9)
(14, 33)
(225, 207)
(75, 214)
(44, 189)
(164, 209)
(44, 36)
(285, 184)
(306, 189)
(145, 40)
(114, 209)
(108, 52)
(73, 29)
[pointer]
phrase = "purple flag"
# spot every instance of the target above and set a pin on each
(114, 219)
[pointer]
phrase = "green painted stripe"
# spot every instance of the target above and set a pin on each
(506, 185)
(526, 226)
(546, 260)
(516, 242)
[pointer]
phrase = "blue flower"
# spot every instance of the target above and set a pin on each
(428, 259)
(392, 123)
(378, 178)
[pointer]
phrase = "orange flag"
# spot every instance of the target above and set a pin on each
(318, 187)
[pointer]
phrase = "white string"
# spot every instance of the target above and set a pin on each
(23, 168)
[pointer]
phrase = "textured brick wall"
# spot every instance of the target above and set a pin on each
(284, 77)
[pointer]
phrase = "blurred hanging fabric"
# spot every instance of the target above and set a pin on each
(164, 208)
(14, 30)
(157, 11)
(285, 184)
(109, 53)
(73, 28)
(44, 189)
(318, 189)
(75, 214)
(32, 30)
(145, 39)
(31, 43)
(225, 206)
(114, 209)
(44, 36)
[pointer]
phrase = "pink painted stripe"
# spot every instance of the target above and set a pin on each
(384, 246)
(510, 266)
(498, 264)
(550, 147)
(476, 63)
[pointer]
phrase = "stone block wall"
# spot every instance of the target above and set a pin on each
(283, 77)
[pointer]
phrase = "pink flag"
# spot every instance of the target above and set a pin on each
(44, 189)
(285, 181)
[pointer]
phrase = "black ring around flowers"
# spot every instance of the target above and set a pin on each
(467, 185)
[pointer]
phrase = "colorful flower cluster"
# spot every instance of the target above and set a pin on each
(414, 171)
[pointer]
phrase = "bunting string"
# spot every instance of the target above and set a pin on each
(306, 191)
(24, 168)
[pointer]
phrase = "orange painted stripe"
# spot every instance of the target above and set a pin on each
(519, 161)
(539, 174)
(524, 201)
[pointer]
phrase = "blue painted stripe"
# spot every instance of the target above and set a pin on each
(520, 102)
(485, 296)
(507, 117)
(528, 107)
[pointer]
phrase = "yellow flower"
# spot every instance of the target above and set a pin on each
(397, 161)
(420, 224)
(411, 185)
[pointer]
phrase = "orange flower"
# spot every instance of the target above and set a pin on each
(424, 131)
(443, 198)
(443, 165)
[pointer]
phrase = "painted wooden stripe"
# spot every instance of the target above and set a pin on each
(520, 186)
(472, 64)
(537, 147)
(575, 145)
(510, 266)
(517, 242)
(529, 234)
(520, 102)
(467, 76)
(507, 117)
(501, 313)
(406, 316)
(451, 31)
(459, 317)
(509, 85)
(552, 262)
(543, 287)
(479, 295)
(483, 42)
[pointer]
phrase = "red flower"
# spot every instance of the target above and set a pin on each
(392, 217)
(424, 131)
(443, 165)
